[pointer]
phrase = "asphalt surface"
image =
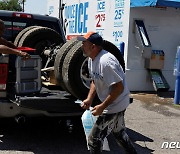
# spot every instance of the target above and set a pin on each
(153, 122)
(150, 121)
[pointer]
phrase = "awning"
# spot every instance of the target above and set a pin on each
(166, 3)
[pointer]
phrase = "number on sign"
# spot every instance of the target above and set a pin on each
(118, 14)
(100, 18)
(117, 34)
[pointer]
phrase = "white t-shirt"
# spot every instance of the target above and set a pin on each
(105, 70)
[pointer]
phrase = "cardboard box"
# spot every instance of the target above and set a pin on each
(156, 61)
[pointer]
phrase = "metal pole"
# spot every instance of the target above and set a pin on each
(177, 73)
(23, 5)
(60, 5)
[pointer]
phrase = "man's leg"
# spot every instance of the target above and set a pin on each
(100, 130)
(121, 136)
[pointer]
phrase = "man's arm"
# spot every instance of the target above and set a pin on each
(92, 91)
(88, 101)
(116, 90)
(7, 43)
(6, 50)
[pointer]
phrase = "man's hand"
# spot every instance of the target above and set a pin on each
(25, 55)
(86, 104)
(98, 110)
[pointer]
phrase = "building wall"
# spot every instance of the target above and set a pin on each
(53, 8)
(162, 25)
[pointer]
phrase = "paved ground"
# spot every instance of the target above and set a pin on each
(151, 120)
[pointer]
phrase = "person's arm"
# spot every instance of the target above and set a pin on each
(6, 50)
(7, 43)
(88, 101)
(116, 90)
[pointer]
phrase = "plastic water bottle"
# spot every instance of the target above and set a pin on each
(88, 121)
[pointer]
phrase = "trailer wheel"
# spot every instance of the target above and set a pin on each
(19, 36)
(58, 63)
(40, 38)
(75, 70)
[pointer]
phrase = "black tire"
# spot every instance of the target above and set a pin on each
(110, 47)
(72, 65)
(19, 36)
(40, 38)
(71, 72)
(58, 63)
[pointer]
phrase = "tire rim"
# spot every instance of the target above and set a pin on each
(84, 74)
(41, 46)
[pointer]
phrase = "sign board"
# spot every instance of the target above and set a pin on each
(109, 18)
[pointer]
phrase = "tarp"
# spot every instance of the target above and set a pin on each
(166, 3)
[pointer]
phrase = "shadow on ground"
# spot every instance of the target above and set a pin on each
(135, 136)
(51, 136)
(42, 136)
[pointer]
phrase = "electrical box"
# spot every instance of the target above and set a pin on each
(156, 61)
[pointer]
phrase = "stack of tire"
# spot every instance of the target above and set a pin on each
(70, 66)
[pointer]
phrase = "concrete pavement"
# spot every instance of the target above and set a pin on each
(150, 123)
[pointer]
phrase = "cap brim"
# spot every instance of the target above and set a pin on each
(81, 38)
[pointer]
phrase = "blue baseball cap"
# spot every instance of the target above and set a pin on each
(92, 37)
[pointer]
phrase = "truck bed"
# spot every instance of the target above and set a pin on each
(53, 101)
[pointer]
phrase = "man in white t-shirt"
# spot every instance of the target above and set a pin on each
(108, 82)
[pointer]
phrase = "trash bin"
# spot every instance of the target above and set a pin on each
(177, 74)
